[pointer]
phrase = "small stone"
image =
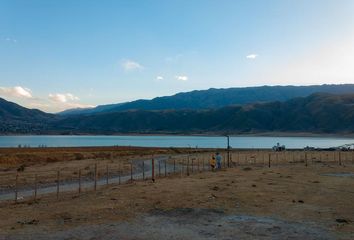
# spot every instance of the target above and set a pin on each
(341, 220)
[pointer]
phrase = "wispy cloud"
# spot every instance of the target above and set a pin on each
(10, 40)
(130, 65)
(182, 78)
(17, 92)
(62, 101)
(159, 78)
(174, 59)
(252, 56)
(63, 97)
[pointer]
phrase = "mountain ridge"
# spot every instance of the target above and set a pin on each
(317, 113)
(216, 98)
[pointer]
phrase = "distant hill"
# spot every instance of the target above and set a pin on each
(216, 98)
(317, 113)
(17, 119)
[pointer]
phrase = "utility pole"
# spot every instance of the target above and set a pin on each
(228, 150)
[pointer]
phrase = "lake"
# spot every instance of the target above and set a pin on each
(173, 141)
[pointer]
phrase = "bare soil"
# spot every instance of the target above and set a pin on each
(255, 202)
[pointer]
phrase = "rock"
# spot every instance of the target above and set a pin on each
(31, 222)
(341, 220)
(21, 168)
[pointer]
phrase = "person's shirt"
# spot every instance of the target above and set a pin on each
(218, 158)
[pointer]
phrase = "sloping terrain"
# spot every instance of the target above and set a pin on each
(17, 119)
(217, 98)
(319, 113)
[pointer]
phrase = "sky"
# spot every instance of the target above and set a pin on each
(62, 54)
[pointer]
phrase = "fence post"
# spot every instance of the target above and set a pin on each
(198, 164)
(174, 165)
(153, 169)
(223, 161)
(143, 170)
(268, 160)
(340, 158)
(16, 186)
(165, 168)
(79, 181)
(228, 156)
(181, 168)
(131, 171)
(192, 165)
(159, 168)
(35, 187)
(107, 174)
(95, 177)
(188, 165)
(306, 159)
(210, 162)
(58, 179)
(203, 161)
(119, 172)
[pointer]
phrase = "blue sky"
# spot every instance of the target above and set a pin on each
(62, 54)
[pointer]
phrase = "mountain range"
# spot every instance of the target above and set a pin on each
(216, 98)
(325, 112)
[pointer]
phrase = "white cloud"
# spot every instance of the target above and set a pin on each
(129, 65)
(10, 40)
(159, 78)
(252, 56)
(18, 92)
(63, 101)
(182, 78)
(63, 97)
(71, 105)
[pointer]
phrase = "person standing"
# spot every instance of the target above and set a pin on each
(212, 163)
(218, 160)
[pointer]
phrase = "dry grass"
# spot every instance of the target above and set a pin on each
(295, 193)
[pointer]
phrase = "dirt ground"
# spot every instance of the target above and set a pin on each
(45, 162)
(282, 202)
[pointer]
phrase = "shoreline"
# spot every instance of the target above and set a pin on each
(263, 134)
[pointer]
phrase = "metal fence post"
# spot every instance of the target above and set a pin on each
(143, 170)
(269, 160)
(107, 174)
(16, 187)
(35, 187)
(95, 177)
(153, 169)
(79, 181)
(58, 180)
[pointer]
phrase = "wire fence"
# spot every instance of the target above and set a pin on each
(27, 185)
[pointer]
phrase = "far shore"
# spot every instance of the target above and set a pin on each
(260, 134)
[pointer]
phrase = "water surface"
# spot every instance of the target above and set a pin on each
(173, 141)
